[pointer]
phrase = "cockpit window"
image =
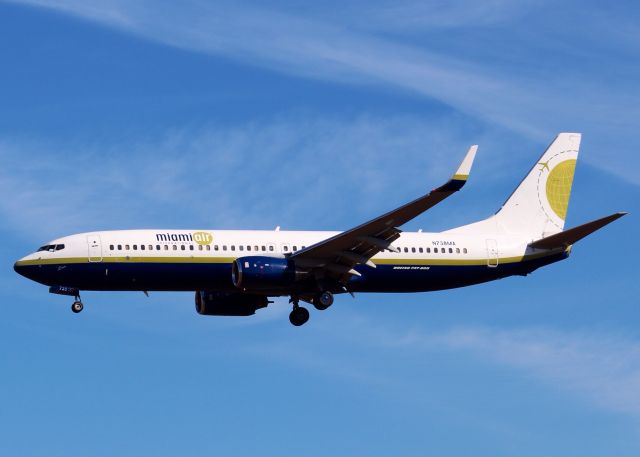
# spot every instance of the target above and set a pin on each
(51, 247)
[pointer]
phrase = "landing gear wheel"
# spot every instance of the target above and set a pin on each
(299, 316)
(323, 300)
(77, 306)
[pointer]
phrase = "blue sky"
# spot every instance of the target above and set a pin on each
(134, 114)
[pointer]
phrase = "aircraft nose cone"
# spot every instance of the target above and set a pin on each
(24, 267)
(19, 268)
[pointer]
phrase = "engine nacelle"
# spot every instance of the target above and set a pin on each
(263, 273)
(229, 304)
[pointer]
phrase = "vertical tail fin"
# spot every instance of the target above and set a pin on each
(539, 204)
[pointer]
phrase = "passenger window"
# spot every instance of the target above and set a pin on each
(191, 247)
(285, 248)
(413, 249)
(157, 247)
(135, 247)
(248, 248)
(111, 247)
(450, 250)
(166, 247)
(241, 247)
(208, 247)
(224, 247)
(271, 248)
(255, 248)
(233, 247)
(215, 247)
(151, 247)
(295, 248)
(464, 250)
(457, 250)
(406, 249)
(119, 247)
(182, 248)
(142, 247)
(126, 246)
(200, 248)
(175, 247)
(419, 249)
(264, 248)
(435, 250)
(428, 250)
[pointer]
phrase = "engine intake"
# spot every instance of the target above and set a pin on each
(229, 304)
(263, 273)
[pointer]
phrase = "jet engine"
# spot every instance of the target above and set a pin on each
(261, 273)
(229, 304)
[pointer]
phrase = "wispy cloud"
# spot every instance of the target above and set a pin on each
(409, 16)
(598, 367)
(602, 368)
(253, 175)
(551, 87)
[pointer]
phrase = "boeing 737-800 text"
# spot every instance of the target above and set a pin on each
(235, 272)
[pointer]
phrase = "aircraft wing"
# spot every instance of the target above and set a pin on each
(336, 257)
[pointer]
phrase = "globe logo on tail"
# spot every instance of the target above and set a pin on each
(559, 187)
(554, 185)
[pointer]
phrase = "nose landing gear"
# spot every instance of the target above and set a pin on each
(77, 306)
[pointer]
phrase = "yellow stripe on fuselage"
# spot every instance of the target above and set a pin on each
(203, 260)
(132, 259)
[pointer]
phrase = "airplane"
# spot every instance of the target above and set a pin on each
(544, 165)
(236, 272)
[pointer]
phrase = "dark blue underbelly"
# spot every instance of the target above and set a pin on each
(217, 276)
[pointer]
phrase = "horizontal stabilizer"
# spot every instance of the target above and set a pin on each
(568, 237)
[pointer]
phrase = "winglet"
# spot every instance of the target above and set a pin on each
(464, 169)
(461, 175)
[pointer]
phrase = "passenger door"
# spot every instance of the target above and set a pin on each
(95, 248)
(492, 253)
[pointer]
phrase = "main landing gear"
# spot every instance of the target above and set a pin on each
(300, 315)
(323, 300)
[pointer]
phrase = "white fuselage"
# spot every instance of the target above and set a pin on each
(202, 259)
